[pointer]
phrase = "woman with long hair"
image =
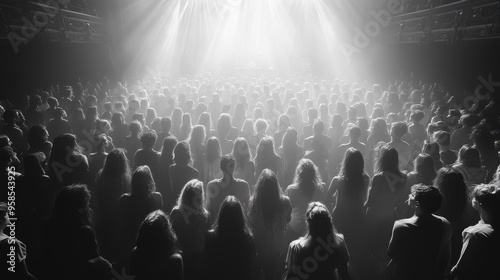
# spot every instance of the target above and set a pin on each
(266, 157)
(247, 130)
(191, 221)
(156, 255)
(432, 149)
(206, 120)
(141, 200)
(385, 198)
(260, 128)
(283, 125)
(185, 128)
(244, 168)
(334, 259)
(229, 246)
(455, 206)
(68, 240)
(166, 159)
(38, 140)
(269, 213)
(239, 116)
(469, 165)
(211, 161)
(181, 171)
(348, 192)
(291, 153)
(197, 144)
(176, 118)
(307, 186)
(224, 127)
(119, 130)
(67, 165)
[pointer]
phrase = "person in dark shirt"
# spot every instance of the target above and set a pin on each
(229, 246)
(448, 156)
(420, 246)
(147, 155)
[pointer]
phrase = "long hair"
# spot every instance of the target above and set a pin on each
(63, 146)
(454, 190)
(192, 197)
(206, 120)
(319, 223)
(182, 153)
(156, 237)
(143, 184)
(352, 170)
(197, 136)
(265, 202)
(213, 150)
(469, 157)
(265, 151)
(387, 160)
(231, 219)
(71, 207)
(241, 151)
(37, 135)
(289, 143)
(167, 151)
(186, 125)
(116, 168)
(424, 167)
(307, 177)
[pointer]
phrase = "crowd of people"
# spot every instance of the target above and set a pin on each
(249, 178)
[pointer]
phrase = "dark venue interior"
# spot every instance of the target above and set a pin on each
(250, 139)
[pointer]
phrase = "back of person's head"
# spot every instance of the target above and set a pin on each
(337, 121)
(424, 166)
(231, 221)
(58, 113)
(37, 135)
(417, 116)
(427, 198)
(63, 145)
(192, 197)
(166, 124)
(442, 138)
(487, 196)
(399, 129)
(469, 120)
(432, 149)
(148, 139)
(469, 156)
(71, 207)
(7, 155)
(319, 222)
(227, 164)
(318, 127)
(182, 153)
(354, 133)
(156, 238)
(312, 113)
(266, 200)
(116, 166)
(224, 125)
(198, 134)
(260, 126)
(352, 113)
(138, 117)
(241, 151)
(307, 176)
(265, 150)
(35, 101)
(135, 128)
(363, 124)
(353, 165)
(107, 106)
(453, 188)
(289, 138)
(143, 183)
(387, 160)
(117, 119)
(10, 116)
(213, 149)
(52, 101)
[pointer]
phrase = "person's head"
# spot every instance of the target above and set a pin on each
(71, 207)
(363, 124)
(354, 133)
(469, 156)
(138, 117)
(319, 222)
(156, 238)
(116, 166)
(224, 125)
(442, 138)
(148, 139)
(62, 146)
(197, 135)
(266, 200)
(417, 116)
(227, 164)
(231, 221)
(307, 176)
(353, 165)
(265, 148)
(7, 157)
(135, 128)
(10, 116)
(387, 160)
(260, 126)
(176, 117)
(337, 121)
(52, 101)
(352, 113)
(398, 130)
(247, 128)
(192, 197)
(35, 101)
(453, 188)
(168, 147)
(213, 149)
(424, 166)
(37, 135)
(312, 114)
(469, 120)
(426, 198)
(378, 128)
(486, 198)
(143, 184)
(432, 149)
(241, 151)
(290, 138)
(166, 124)
(182, 153)
(107, 106)
(318, 127)
(150, 115)
(117, 120)
(284, 122)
